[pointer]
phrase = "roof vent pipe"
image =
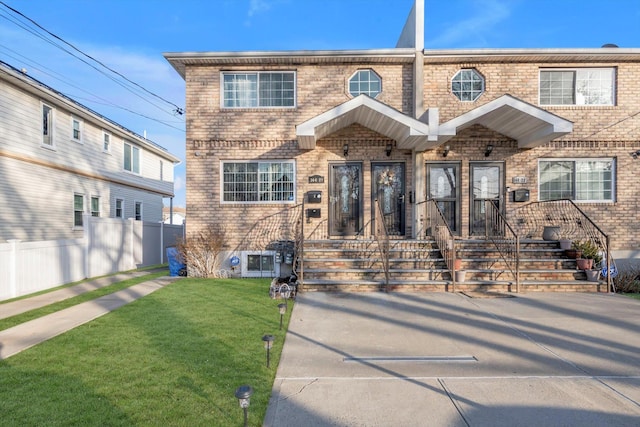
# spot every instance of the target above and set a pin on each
(610, 45)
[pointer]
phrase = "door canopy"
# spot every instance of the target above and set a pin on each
(408, 132)
(531, 126)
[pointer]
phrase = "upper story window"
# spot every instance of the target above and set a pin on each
(268, 181)
(76, 129)
(259, 89)
(467, 85)
(365, 81)
(47, 126)
(580, 86)
(584, 180)
(131, 158)
(106, 142)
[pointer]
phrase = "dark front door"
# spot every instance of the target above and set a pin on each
(345, 205)
(443, 183)
(486, 184)
(388, 189)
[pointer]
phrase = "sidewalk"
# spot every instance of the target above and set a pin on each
(28, 334)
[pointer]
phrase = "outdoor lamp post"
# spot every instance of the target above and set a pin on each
(283, 309)
(268, 343)
(243, 394)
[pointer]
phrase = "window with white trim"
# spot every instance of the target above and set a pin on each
(119, 208)
(76, 129)
(106, 142)
(95, 206)
(467, 85)
(78, 209)
(583, 180)
(47, 126)
(131, 158)
(579, 86)
(259, 89)
(138, 211)
(255, 182)
(259, 264)
(365, 81)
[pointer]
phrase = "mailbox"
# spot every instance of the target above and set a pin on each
(313, 213)
(521, 195)
(314, 196)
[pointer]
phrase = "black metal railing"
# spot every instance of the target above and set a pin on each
(505, 239)
(381, 235)
(435, 225)
(530, 220)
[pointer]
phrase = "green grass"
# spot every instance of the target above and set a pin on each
(636, 296)
(172, 358)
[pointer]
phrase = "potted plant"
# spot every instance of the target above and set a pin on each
(590, 254)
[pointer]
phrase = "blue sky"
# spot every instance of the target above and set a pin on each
(130, 36)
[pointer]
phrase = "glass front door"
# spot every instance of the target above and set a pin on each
(388, 189)
(486, 184)
(443, 182)
(345, 206)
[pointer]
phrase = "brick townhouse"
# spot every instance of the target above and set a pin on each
(338, 130)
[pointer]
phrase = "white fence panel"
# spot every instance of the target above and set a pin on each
(109, 246)
(46, 264)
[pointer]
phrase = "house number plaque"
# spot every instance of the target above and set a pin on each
(316, 179)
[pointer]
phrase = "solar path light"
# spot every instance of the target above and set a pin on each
(283, 309)
(243, 394)
(268, 343)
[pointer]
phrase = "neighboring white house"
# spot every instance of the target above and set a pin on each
(60, 160)
(174, 215)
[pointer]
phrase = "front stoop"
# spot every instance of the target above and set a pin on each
(417, 265)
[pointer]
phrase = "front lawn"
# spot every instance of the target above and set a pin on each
(172, 358)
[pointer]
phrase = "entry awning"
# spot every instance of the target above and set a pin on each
(531, 126)
(408, 132)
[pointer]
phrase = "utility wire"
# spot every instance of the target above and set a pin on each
(123, 85)
(177, 109)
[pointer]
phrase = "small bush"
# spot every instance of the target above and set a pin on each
(628, 281)
(201, 252)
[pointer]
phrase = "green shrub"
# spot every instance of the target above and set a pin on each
(589, 250)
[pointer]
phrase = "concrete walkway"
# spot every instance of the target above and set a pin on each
(28, 334)
(442, 359)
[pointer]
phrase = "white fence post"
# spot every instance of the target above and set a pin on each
(13, 268)
(88, 242)
(161, 241)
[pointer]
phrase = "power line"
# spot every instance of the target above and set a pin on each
(177, 110)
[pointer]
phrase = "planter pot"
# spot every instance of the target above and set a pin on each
(457, 264)
(460, 276)
(573, 253)
(584, 263)
(551, 232)
(565, 244)
(593, 275)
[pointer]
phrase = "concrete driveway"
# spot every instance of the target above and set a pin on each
(442, 359)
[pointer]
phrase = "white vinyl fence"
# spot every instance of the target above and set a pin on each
(109, 246)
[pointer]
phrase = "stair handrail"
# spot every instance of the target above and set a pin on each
(504, 237)
(573, 223)
(381, 235)
(441, 231)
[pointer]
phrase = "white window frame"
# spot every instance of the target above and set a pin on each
(244, 256)
(76, 211)
(115, 208)
(579, 76)
(47, 126)
(80, 130)
(132, 149)
(364, 81)
(471, 90)
(574, 176)
(94, 212)
(138, 216)
(250, 96)
(107, 141)
(260, 184)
